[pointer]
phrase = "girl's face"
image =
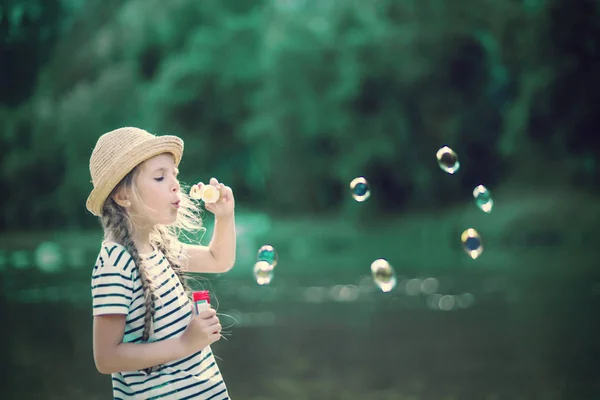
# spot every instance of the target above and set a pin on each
(158, 190)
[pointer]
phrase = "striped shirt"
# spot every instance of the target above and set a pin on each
(117, 289)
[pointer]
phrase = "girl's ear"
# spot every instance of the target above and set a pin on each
(121, 198)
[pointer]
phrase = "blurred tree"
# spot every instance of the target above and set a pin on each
(28, 29)
(289, 100)
(575, 94)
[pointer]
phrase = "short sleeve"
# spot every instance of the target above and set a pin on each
(112, 280)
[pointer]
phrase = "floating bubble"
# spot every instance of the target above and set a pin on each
(207, 193)
(383, 275)
(483, 198)
(360, 189)
(210, 194)
(447, 160)
(195, 192)
(471, 242)
(263, 272)
(268, 254)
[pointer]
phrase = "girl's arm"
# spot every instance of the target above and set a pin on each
(111, 355)
(219, 255)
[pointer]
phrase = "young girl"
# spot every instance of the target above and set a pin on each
(146, 334)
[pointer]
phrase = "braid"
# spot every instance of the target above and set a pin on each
(116, 222)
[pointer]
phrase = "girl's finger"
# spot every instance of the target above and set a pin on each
(223, 192)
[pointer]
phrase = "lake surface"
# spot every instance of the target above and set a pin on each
(317, 337)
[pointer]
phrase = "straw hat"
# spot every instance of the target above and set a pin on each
(117, 153)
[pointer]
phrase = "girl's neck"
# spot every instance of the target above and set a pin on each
(141, 239)
(144, 248)
(141, 235)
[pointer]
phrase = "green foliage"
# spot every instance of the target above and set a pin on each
(285, 100)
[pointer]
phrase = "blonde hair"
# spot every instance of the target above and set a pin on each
(119, 227)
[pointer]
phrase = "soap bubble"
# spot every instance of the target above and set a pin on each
(383, 275)
(267, 253)
(263, 272)
(195, 192)
(360, 189)
(483, 198)
(207, 193)
(210, 194)
(447, 160)
(471, 242)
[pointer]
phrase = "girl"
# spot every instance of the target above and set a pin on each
(145, 332)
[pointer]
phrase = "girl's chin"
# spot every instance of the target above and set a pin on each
(167, 220)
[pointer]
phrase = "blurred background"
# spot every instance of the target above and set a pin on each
(287, 101)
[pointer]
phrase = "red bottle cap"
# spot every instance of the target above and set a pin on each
(201, 295)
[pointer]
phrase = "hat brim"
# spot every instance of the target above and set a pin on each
(127, 162)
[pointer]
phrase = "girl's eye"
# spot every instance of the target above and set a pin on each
(159, 179)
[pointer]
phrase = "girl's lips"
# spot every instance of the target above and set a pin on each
(176, 204)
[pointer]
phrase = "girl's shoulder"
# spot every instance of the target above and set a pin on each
(109, 246)
(113, 253)
(116, 253)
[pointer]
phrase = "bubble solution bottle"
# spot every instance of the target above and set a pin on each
(201, 300)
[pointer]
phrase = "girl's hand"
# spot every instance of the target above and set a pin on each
(225, 205)
(203, 330)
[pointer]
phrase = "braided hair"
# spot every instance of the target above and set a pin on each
(119, 227)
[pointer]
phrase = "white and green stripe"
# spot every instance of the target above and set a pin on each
(117, 289)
